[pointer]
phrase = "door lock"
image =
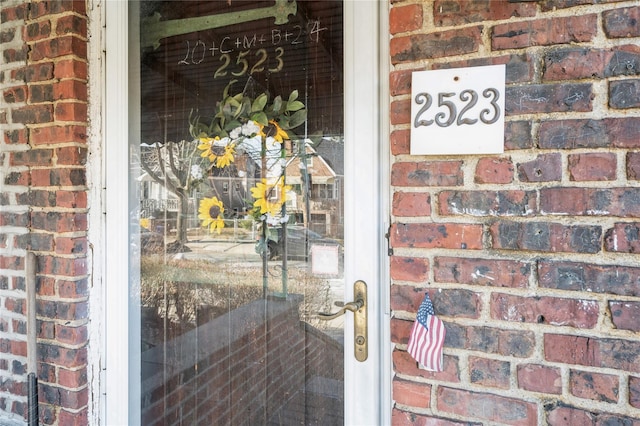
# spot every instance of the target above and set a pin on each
(359, 309)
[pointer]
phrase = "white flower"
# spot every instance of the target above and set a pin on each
(196, 172)
(222, 142)
(273, 220)
(284, 219)
(235, 133)
(250, 128)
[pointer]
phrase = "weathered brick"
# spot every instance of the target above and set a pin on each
(32, 157)
(57, 134)
(579, 313)
(32, 114)
(405, 18)
(402, 418)
(560, 415)
(53, 221)
(624, 237)
(403, 363)
(540, 378)
(625, 315)
(460, 12)
(58, 177)
(595, 166)
(400, 142)
(16, 94)
(34, 72)
(484, 272)
(70, 90)
(7, 35)
(400, 82)
(489, 372)
(608, 132)
(435, 45)
(411, 393)
(593, 352)
(519, 68)
(70, 68)
(40, 93)
(633, 165)
(70, 111)
(493, 340)
(58, 47)
(63, 266)
(409, 268)
(621, 23)
(547, 98)
(544, 32)
(71, 335)
(15, 55)
(589, 277)
(72, 24)
(400, 112)
(36, 31)
(624, 94)
(70, 245)
(494, 170)
(599, 387)
(621, 202)
(486, 406)
(437, 235)
(634, 391)
(576, 63)
(406, 298)
(487, 203)
(412, 204)
(545, 236)
(458, 303)
(71, 156)
(544, 168)
(427, 173)
(517, 135)
(72, 378)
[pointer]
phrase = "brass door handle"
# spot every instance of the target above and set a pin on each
(359, 309)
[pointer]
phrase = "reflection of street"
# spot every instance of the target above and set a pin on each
(228, 250)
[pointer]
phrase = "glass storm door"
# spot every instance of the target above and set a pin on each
(251, 210)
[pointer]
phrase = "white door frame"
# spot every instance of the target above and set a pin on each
(366, 168)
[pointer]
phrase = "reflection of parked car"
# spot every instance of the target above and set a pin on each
(299, 242)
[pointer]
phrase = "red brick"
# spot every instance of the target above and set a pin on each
(57, 47)
(72, 24)
(606, 133)
(411, 393)
(435, 45)
(402, 418)
(491, 373)
(17, 13)
(403, 363)
(34, 72)
(633, 165)
(57, 134)
(400, 142)
(487, 203)
(621, 23)
(547, 98)
(545, 236)
(71, 335)
(599, 387)
(634, 391)
(71, 156)
(400, 112)
(544, 168)
(409, 268)
(494, 170)
(460, 12)
(593, 352)
(427, 173)
(623, 94)
(72, 378)
(539, 378)
(16, 94)
(36, 31)
(545, 310)
(400, 82)
(519, 66)
(624, 237)
(575, 276)
(625, 315)
(592, 166)
(405, 18)
(32, 157)
(621, 202)
(437, 235)
(486, 406)
(517, 135)
(71, 245)
(71, 199)
(72, 289)
(70, 90)
(544, 32)
(39, 93)
(70, 68)
(70, 111)
(484, 272)
(568, 416)
(411, 204)
(32, 114)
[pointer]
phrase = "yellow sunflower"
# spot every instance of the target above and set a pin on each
(274, 130)
(227, 157)
(264, 195)
(206, 146)
(211, 213)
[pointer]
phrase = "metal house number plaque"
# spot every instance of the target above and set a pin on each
(458, 111)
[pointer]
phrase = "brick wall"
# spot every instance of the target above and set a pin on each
(530, 256)
(43, 205)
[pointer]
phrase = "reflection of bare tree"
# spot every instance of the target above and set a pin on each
(170, 165)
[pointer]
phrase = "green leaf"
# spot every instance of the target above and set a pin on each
(259, 103)
(232, 125)
(294, 106)
(293, 96)
(225, 93)
(298, 118)
(260, 117)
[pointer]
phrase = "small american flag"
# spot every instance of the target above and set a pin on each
(427, 337)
